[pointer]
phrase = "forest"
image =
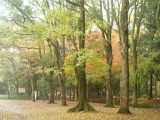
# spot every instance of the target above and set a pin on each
(103, 51)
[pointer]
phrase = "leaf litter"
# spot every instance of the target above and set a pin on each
(39, 110)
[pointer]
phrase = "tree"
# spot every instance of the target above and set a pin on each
(158, 15)
(124, 83)
(137, 19)
(150, 33)
(82, 99)
(107, 44)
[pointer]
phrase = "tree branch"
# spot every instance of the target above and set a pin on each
(21, 11)
(23, 47)
(73, 3)
(18, 23)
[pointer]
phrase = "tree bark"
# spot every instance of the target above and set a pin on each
(124, 82)
(82, 99)
(150, 86)
(107, 45)
(158, 17)
(155, 85)
(135, 36)
(51, 88)
(61, 74)
(50, 80)
(134, 99)
(34, 88)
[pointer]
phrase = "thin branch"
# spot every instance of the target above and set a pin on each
(17, 23)
(21, 11)
(23, 47)
(24, 33)
(73, 3)
(39, 19)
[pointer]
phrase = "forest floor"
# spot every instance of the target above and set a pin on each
(40, 110)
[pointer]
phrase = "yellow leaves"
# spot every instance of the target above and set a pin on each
(60, 16)
(42, 111)
(96, 67)
(69, 66)
(104, 25)
(61, 22)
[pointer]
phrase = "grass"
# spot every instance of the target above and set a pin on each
(19, 97)
(3, 96)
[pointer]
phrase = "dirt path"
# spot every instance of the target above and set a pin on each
(9, 111)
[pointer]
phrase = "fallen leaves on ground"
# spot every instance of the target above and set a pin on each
(40, 110)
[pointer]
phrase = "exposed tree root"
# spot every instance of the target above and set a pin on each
(64, 104)
(124, 111)
(51, 102)
(86, 108)
(109, 106)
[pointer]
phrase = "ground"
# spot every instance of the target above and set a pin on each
(40, 110)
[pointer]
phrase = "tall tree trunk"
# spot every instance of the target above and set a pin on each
(76, 92)
(155, 85)
(51, 87)
(63, 94)
(28, 86)
(106, 38)
(109, 88)
(158, 17)
(9, 90)
(134, 99)
(82, 100)
(124, 83)
(150, 86)
(135, 36)
(34, 88)
(134, 52)
(77, 77)
(61, 74)
(50, 80)
(17, 86)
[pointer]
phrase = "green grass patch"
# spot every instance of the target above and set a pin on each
(19, 97)
(3, 96)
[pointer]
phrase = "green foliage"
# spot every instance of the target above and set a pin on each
(96, 67)
(146, 65)
(69, 65)
(62, 22)
(116, 82)
(47, 61)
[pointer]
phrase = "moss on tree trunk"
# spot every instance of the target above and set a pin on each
(83, 104)
(124, 111)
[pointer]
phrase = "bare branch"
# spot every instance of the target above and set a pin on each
(18, 23)
(21, 11)
(39, 19)
(73, 3)
(23, 47)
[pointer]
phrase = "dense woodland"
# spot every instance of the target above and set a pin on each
(81, 50)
